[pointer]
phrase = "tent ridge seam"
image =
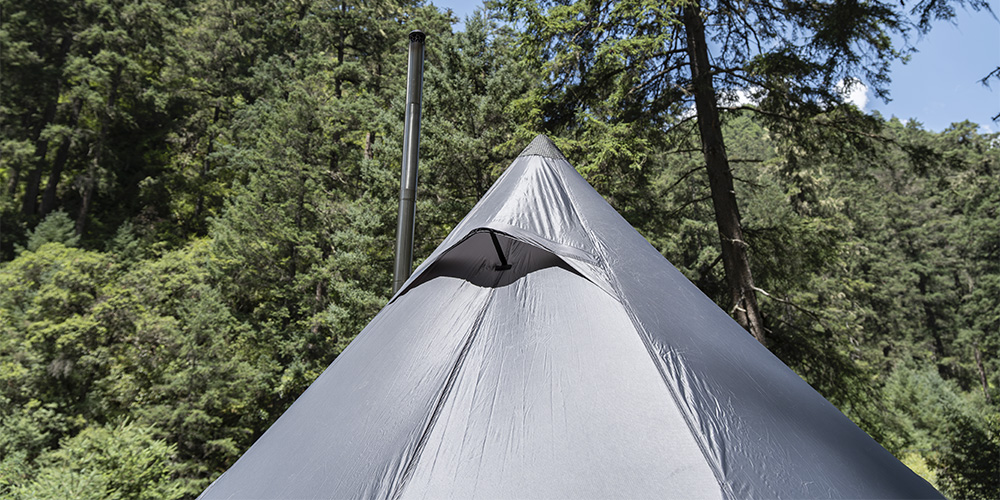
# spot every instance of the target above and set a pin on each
(645, 339)
(442, 398)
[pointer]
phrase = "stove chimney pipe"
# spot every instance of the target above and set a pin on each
(411, 147)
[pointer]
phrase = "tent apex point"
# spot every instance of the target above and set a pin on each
(542, 146)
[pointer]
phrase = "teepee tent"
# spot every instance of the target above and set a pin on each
(546, 350)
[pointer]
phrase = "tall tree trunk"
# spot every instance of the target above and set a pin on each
(15, 169)
(62, 154)
(200, 204)
(90, 182)
(982, 373)
(720, 178)
(930, 324)
(29, 204)
(369, 145)
(293, 250)
(340, 48)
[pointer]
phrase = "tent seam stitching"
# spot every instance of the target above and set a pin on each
(644, 338)
(443, 396)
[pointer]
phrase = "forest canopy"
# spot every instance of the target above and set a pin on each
(199, 205)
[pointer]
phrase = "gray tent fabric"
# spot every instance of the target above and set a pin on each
(590, 368)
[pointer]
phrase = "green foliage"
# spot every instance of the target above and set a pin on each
(157, 344)
(969, 466)
(26, 431)
(177, 364)
(47, 333)
(110, 462)
(205, 192)
(56, 228)
(469, 127)
(944, 431)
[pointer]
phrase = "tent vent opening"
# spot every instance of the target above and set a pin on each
(503, 266)
(475, 260)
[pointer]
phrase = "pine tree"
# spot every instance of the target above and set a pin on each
(648, 59)
(57, 227)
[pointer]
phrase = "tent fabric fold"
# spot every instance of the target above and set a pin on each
(590, 368)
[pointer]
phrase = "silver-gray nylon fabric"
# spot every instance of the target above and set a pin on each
(590, 369)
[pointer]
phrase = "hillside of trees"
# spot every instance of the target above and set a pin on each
(199, 207)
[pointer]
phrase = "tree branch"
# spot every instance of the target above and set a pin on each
(660, 74)
(687, 204)
(678, 124)
(682, 177)
(833, 125)
(788, 302)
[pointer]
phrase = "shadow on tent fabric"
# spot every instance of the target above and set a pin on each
(476, 259)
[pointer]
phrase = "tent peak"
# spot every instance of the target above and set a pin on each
(542, 146)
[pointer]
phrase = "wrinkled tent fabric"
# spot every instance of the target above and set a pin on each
(591, 368)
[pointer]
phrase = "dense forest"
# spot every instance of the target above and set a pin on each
(199, 205)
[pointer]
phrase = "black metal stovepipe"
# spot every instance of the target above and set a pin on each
(411, 150)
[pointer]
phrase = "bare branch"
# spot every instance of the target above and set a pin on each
(986, 83)
(658, 75)
(687, 204)
(684, 176)
(833, 125)
(682, 151)
(678, 124)
(788, 302)
(712, 265)
(746, 181)
(986, 79)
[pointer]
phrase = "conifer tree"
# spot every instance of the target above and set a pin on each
(646, 59)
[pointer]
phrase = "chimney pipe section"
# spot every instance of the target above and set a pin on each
(411, 149)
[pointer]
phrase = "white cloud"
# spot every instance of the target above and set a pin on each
(733, 98)
(742, 97)
(854, 92)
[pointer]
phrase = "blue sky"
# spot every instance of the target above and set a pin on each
(938, 86)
